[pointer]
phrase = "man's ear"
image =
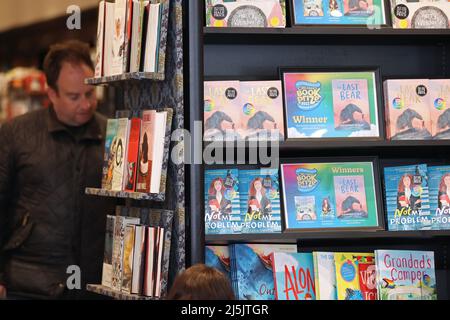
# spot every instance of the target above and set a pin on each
(52, 95)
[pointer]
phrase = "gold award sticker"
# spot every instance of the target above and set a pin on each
(403, 24)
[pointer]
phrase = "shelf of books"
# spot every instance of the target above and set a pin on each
(356, 206)
(125, 77)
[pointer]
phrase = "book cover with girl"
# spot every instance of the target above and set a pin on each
(439, 187)
(260, 201)
(407, 198)
(222, 212)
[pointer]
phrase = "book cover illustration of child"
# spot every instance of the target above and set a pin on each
(440, 108)
(358, 8)
(350, 197)
(222, 210)
(218, 257)
(408, 113)
(405, 275)
(262, 110)
(351, 105)
(221, 111)
(260, 200)
(293, 275)
(407, 198)
(439, 187)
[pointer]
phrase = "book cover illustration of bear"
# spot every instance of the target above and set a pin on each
(407, 109)
(222, 111)
(293, 275)
(252, 271)
(347, 274)
(218, 257)
(222, 210)
(440, 108)
(259, 193)
(407, 198)
(262, 110)
(439, 188)
(331, 105)
(238, 13)
(405, 275)
(329, 195)
(339, 12)
(325, 275)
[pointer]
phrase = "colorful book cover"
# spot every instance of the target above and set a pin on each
(108, 251)
(218, 257)
(407, 109)
(407, 198)
(238, 13)
(331, 105)
(367, 277)
(119, 30)
(109, 155)
(144, 173)
(119, 150)
(440, 107)
(254, 271)
(347, 274)
(222, 113)
(405, 275)
(128, 255)
(329, 195)
(339, 12)
(325, 275)
(439, 188)
(420, 14)
(262, 110)
(132, 155)
(222, 209)
(293, 275)
(259, 194)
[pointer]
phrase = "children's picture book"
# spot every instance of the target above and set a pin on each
(293, 275)
(222, 209)
(222, 113)
(420, 14)
(439, 188)
(248, 13)
(109, 154)
(405, 275)
(440, 107)
(325, 275)
(407, 109)
(253, 272)
(259, 194)
(367, 277)
(330, 104)
(348, 275)
(407, 198)
(262, 110)
(218, 257)
(330, 196)
(339, 12)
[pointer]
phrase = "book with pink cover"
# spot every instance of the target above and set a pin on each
(222, 111)
(350, 197)
(407, 109)
(440, 108)
(262, 110)
(351, 104)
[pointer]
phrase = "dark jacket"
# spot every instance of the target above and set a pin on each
(47, 223)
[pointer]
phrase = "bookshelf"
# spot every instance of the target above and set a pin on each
(256, 54)
(161, 90)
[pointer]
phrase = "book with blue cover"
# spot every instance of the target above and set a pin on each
(439, 188)
(222, 212)
(260, 201)
(218, 257)
(405, 275)
(407, 198)
(253, 273)
(293, 275)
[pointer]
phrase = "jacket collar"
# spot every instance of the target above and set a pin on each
(92, 132)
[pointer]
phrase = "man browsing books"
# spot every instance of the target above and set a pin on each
(47, 159)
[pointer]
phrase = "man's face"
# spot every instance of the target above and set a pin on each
(74, 102)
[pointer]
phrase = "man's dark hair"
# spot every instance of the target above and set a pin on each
(72, 51)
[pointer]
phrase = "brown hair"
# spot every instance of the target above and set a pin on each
(212, 190)
(401, 186)
(201, 282)
(442, 186)
(72, 51)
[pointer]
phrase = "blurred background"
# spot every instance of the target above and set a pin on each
(27, 29)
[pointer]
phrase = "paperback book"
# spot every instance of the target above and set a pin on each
(218, 257)
(440, 108)
(109, 154)
(325, 276)
(420, 14)
(439, 187)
